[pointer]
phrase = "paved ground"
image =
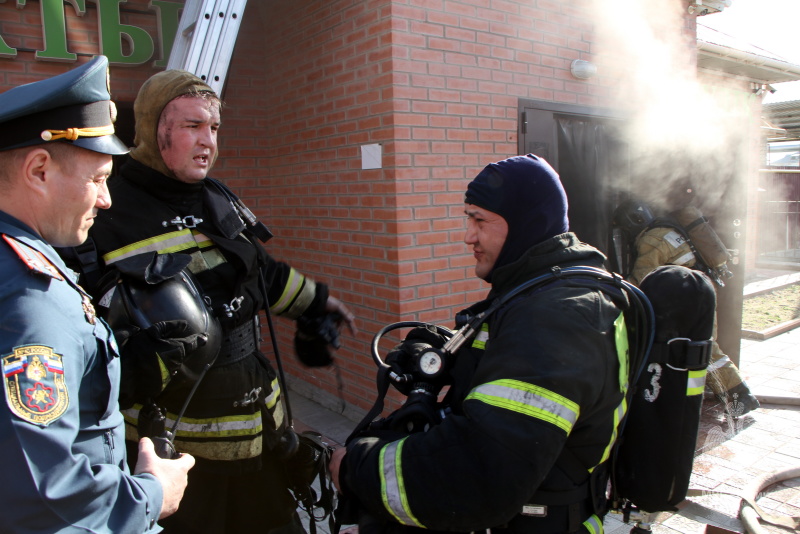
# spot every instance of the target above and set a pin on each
(731, 453)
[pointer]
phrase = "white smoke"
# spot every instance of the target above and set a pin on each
(677, 126)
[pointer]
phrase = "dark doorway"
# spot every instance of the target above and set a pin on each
(584, 147)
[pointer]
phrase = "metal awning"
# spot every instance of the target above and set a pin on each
(721, 53)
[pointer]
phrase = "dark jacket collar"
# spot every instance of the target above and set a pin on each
(200, 199)
(173, 192)
(564, 250)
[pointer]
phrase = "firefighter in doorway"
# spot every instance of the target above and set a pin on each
(684, 237)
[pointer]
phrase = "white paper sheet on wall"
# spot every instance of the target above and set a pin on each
(371, 156)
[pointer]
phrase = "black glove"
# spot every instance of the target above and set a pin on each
(402, 359)
(315, 337)
(309, 461)
(144, 352)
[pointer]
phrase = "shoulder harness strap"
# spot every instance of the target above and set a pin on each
(252, 224)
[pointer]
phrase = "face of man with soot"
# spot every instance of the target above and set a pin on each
(187, 136)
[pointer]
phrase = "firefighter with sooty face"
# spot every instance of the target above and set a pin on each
(167, 205)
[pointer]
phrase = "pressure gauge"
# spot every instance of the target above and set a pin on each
(431, 363)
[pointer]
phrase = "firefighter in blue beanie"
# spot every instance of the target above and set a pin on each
(533, 402)
(62, 450)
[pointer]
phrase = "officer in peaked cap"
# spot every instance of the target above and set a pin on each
(75, 106)
(61, 431)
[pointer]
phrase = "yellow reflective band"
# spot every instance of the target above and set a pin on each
(528, 399)
(619, 414)
(623, 352)
(222, 450)
(178, 241)
(480, 339)
(696, 383)
(623, 356)
(594, 525)
(277, 415)
(240, 449)
(686, 259)
(392, 486)
(293, 285)
(303, 300)
(216, 427)
(272, 399)
(165, 376)
(719, 363)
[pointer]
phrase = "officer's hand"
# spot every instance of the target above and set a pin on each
(335, 305)
(334, 464)
(173, 474)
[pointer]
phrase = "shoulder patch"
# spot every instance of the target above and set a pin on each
(33, 379)
(35, 260)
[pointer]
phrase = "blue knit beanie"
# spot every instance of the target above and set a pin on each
(527, 193)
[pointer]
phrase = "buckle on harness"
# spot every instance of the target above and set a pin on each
(249, 398)
(688, 355)
(234, 306)
(190, 221)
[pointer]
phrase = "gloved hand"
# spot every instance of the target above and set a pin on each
(315, 337)
(402, 359)
(152, 357)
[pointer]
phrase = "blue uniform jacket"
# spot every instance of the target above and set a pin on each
(62, 448)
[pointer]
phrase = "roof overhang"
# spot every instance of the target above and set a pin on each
(719, 59)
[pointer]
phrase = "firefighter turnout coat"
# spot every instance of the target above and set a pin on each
(236, 412)
(659, 246)
(664, 245)
(535, 404)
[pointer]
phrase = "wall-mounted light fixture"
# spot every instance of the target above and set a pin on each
(583, 70)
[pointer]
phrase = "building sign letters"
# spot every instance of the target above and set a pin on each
(113, 35)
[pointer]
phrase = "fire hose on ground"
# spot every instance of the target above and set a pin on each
(749, 512)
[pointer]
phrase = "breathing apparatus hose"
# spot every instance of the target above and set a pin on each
(643, 312)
